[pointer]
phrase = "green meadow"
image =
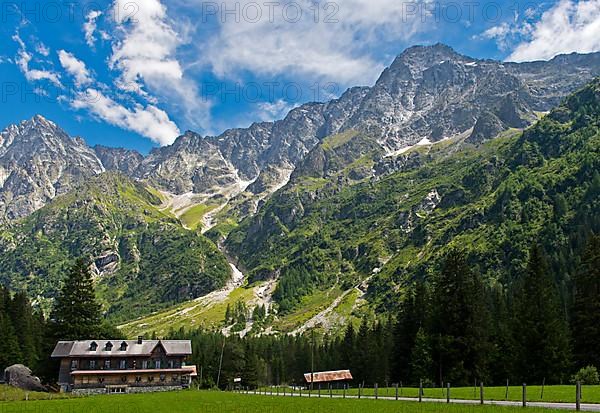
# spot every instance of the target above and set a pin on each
(557, 394)
(220, 402)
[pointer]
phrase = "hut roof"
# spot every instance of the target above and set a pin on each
(328, 376)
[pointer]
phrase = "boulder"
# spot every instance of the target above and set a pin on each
(20, 376)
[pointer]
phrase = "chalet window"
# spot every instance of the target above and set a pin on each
(107, 364)
(163, 377)
(123, 364)
(138, 379)
(92, 364)
(157, 364)
(109, 346)
(144, 364)
(93, 346)
(123, 346)
(175, 377)
(171, 364)
(100, 379)
(150, 378)
(124, 379)
(74, 364)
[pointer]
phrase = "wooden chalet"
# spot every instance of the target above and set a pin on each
(123, 366)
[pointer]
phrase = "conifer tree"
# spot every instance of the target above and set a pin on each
(541, 333)
(24, 327)
(77, 314)
(413, 314)
(421, 362)
(460, 323)
(586, 309)
(10, 352)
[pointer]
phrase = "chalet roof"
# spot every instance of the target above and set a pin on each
(83, 348)
(328, 376)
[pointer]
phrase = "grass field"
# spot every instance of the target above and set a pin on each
(192, 218)
(8, 393)
(217, 402)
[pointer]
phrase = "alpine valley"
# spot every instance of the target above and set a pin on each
(322, 217)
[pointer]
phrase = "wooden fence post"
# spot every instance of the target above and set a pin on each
(481, 392)
(359, 388)
(345, 390)
(376, 392)
(506, 395)
(578, 396)
(420, 391)
(543, 385)
(524, 394)
(319, 390)
(447, 392)
(330, 391)
(396, 391)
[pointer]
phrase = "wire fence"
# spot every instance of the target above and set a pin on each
(517, 395)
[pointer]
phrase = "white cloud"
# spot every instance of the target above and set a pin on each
(145, 52)
(336, 45)
(23, 60)
(570, 26)
(89, 27)
(268, 111)
(75, 68)
(42, 49)
(148, 121)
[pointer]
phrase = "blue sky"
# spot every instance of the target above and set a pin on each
(137, 73)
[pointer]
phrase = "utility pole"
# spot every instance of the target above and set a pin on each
(221, 362)
(312, 359)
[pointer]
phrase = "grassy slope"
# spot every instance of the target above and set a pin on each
(217, 402)
(191, 314)
(192, 218)
(160, 263)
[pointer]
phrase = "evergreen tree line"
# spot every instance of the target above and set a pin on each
(21, 331)
(451, 328)
(26, 337)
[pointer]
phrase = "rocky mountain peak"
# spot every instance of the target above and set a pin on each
(38, 161)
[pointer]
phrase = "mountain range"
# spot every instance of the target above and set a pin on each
(360, 193)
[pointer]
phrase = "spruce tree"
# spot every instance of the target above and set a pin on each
(541, 334)
(586, 308)
(421, 363)
(460, 325)
(10, 352)
(23, 323)
(348, 347)
(77, 314)
(413, 314)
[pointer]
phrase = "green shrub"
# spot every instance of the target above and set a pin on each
(587, 375)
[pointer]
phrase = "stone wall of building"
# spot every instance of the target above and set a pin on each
(141, 389)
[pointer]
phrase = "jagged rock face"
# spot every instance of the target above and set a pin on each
(121, 160)
(435, 93)
(39, 161)
(427, 93)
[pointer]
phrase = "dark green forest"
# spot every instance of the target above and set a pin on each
(451, 328)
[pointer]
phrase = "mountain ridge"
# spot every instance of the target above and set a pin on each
(428, 92)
